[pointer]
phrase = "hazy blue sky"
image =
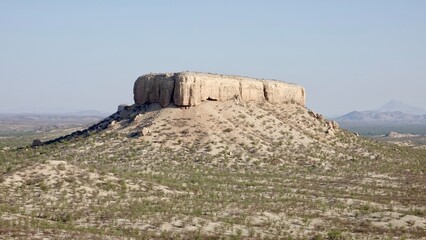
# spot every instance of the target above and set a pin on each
(349, 55)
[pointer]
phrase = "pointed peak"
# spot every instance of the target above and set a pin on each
(399, 106)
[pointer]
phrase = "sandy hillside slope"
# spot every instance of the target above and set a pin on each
(220, 169)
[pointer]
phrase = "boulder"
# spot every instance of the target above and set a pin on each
(113, 124)
(122, 107)
(317, 116)
(145, 131)
(36, 143)
(332, 126)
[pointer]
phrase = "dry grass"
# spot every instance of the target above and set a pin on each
(219, 170)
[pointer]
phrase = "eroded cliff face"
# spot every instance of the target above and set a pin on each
(186, 89)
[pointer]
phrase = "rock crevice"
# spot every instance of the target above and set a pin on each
(186, 89)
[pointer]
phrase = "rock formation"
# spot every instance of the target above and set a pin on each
(185, 89)
(36, 143)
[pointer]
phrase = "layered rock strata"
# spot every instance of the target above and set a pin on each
(185, 89)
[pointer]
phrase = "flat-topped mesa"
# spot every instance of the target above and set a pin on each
(186, 89)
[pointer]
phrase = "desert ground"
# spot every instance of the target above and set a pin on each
(220, 170)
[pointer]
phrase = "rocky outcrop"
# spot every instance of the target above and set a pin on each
(186, 89)
(36, 143)
(333, 126)
(122, 107)
(153, 88)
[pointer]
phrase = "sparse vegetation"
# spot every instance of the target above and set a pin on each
(220, 176)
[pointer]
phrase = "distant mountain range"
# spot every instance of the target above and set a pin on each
(374, 116)
(392, 112)
(398, 106)
(83, 113)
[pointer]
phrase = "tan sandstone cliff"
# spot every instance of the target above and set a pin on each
(185, 89)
